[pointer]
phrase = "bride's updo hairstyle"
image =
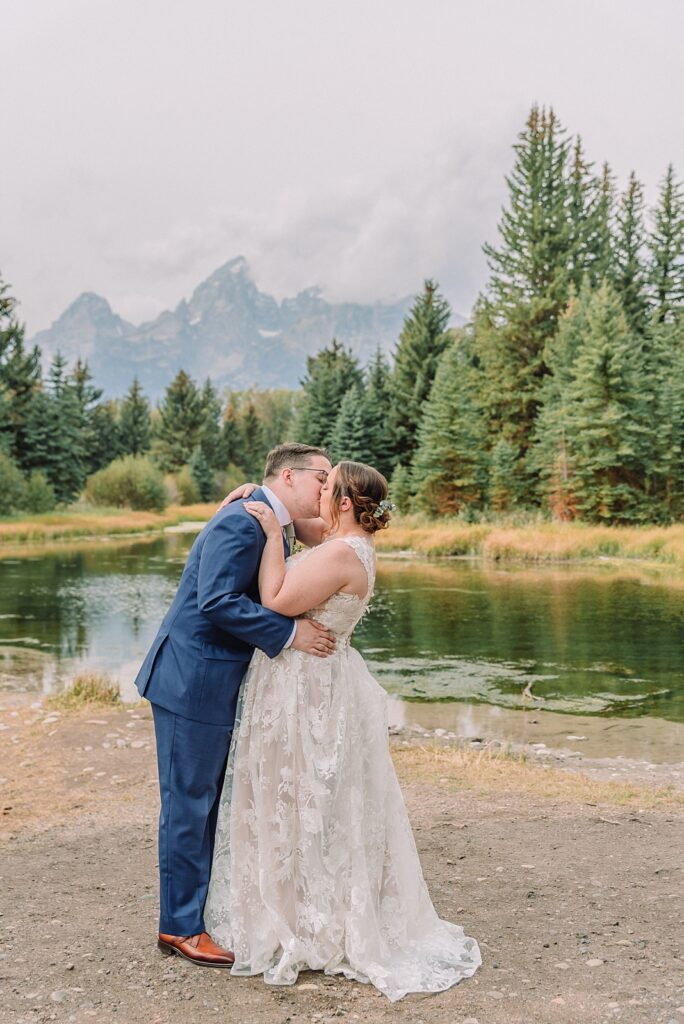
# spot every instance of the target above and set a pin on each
(367, 489)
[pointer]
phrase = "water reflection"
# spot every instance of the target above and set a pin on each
(592, 641)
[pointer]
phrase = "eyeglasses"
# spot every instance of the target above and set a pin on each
(322, 473)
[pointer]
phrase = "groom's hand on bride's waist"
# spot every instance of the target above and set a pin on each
(312, 638)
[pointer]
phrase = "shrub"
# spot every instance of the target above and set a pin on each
(12, 486)
(39, 494)
(132, 482)
(231, 478)
(88, 688)
(171, 486)
(188, 491)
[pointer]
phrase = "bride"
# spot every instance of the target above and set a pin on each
(315, 866)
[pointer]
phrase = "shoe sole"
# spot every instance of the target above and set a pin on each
(168, 950)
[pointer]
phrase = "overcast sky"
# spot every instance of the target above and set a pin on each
(357, 145)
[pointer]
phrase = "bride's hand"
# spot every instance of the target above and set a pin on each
(243, 491)
(265, 516)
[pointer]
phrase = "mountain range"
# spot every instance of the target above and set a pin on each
(228, 330)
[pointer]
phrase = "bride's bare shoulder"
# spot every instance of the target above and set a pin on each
(334, 548)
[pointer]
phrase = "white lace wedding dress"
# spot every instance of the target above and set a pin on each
(315, 865)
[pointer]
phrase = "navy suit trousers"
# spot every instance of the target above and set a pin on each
(191, 757)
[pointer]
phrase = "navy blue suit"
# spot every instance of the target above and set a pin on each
(192, 675)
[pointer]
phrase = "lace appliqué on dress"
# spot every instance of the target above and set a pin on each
(315, 865)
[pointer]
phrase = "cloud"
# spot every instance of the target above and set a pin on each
(359, 241)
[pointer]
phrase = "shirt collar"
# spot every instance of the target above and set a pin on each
(282, 515)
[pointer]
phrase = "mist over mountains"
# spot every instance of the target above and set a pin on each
(228, 330)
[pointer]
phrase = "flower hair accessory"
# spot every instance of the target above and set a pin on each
(383, 506)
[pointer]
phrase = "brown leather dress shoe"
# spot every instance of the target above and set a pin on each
(198, 949)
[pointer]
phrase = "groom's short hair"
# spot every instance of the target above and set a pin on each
(283, 456)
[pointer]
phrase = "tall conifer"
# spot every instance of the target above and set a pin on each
(180, 421)
(450, 465)
(19, 380)
(581, 189)
(352, 435)
(630, 272)
(329, 375)
(378, 402)
(609, 437)
(422, 341)
(666, 270)
(134, 421)
(529, 284)
(599, 256)
(87, 396)
(105, 436)
(209, 438)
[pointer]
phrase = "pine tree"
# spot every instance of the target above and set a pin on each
(666, 270)
(548, 456)
(352, 434)
(105, 436)
(599, 254)
(531, 274)
(504, 476)
(181, 417)
(232, 441)
(19, 380)
(87, 396)
(202, 474)
(42, 434)
(665, 471)
(608, 435)
(135, 426)
(422, 341)
(450, 464)
(581, 189)
(252, 442)
(210, 430)
(329, 375)
(401, 488)
(55, 439)
(378, 412)
(630, 272)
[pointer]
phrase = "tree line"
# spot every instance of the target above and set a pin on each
(565, 392)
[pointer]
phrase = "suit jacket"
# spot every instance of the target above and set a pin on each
(201, 652)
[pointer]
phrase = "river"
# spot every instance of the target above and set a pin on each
(459, 644)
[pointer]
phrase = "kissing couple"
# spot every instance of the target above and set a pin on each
(284, 842)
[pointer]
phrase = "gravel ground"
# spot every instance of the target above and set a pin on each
(577, 907)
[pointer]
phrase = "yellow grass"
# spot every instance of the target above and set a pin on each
(88, 689)
(535, 542)
(98, 522)
(489, 772)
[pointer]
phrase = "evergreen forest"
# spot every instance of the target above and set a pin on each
(563, 395)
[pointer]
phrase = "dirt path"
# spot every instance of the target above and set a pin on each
(577, 905)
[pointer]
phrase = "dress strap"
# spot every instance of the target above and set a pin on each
(365, 549)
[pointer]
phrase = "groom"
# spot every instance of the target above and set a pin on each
(192, 675)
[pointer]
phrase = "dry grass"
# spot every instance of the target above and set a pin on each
(535, 542)
(428, 537)
(489, 771)
(74, 523)
(87, 690)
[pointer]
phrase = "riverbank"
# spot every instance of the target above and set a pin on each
(536, 542)
(571, 886)
(85, 522)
